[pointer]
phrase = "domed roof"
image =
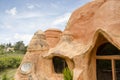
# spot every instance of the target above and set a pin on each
(96, 15)
(87, 24)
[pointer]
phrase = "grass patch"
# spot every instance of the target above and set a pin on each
(9, 73)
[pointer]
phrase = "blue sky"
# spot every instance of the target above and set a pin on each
(20, 19)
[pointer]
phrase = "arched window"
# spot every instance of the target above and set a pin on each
(107, 49)
(108, 62)
(59, 64)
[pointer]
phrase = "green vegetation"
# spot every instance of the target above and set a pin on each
(8, 73)
(68, 75)
(4, 77)
(8, 65)
(10, 58)
(9, 61)
(18, 47)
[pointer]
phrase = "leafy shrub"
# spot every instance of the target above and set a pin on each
(4, 77)
(9, 62)
(68, 75)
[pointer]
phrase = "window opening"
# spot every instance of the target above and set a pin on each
(108, 62)
(59, 64)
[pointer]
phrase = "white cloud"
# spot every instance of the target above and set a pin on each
(37, 5)
(12, 11)
(54, 5)
(16, 37)
(8, 26)
(59, 22)
(22, 37)
(30, 6)
(25, 15)
(61, 19)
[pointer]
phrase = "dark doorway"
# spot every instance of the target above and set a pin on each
(59, 64)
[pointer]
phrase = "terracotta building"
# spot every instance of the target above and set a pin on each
(89, 46)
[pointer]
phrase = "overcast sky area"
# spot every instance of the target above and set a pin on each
(20, 19)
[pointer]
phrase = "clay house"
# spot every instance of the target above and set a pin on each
(89, 46)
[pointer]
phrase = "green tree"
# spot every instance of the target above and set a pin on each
(8, 45)
(2, 48)
(20, 46)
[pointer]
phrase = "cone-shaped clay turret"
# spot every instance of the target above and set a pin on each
(38, 42)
